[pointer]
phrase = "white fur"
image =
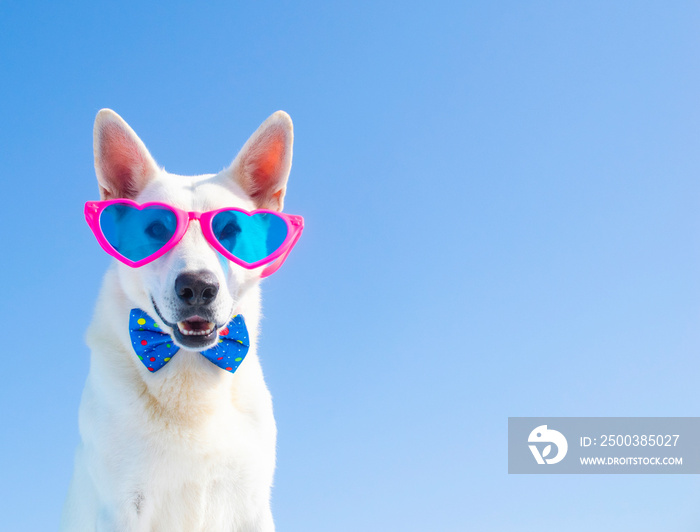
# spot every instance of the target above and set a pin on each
(190, 447)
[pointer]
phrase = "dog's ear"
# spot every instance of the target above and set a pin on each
(262, 166)
(122, 162)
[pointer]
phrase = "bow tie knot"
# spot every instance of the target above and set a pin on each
(155, 347)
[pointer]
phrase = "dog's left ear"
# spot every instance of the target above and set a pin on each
(262, 166)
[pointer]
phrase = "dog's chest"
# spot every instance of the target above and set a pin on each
(191, 463)
(200, 483)
(194, 428)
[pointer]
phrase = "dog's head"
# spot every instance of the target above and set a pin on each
(192, 288)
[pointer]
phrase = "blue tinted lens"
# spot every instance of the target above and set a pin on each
(249, 238)
(137, 234)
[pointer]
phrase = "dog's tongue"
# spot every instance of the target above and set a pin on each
(196, 326)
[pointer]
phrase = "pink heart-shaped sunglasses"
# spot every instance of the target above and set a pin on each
(137, 234)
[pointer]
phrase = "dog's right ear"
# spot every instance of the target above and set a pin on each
(122, 162)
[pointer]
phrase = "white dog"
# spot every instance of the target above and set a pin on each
(191, 446)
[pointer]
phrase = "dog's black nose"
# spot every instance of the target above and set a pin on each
(197, 288)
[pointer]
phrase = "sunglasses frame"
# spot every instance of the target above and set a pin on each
(295, 225)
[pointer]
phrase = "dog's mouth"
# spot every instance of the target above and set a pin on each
(196, 326)
(195, 333)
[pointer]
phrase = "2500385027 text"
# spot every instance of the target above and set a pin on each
(630, 440)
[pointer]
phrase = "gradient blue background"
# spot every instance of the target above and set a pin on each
(502, 203)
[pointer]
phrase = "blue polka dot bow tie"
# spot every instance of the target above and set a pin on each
(155, 348)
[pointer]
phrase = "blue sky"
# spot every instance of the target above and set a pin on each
(502, 204)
